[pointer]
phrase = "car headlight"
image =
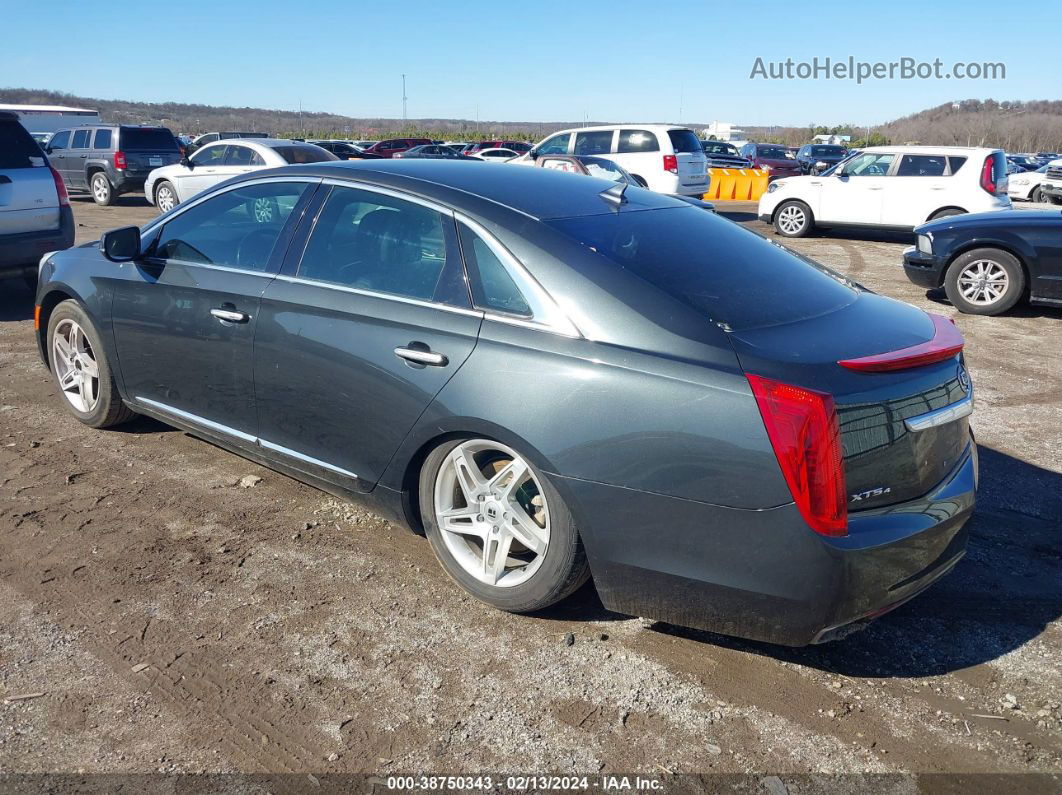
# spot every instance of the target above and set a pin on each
(775, 185)
(925, 244)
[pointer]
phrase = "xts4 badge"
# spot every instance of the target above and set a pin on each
(871, 493)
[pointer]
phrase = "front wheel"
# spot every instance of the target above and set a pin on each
(985, 281)
(499, 527)
(166, 197)
(793, 219)
(102, 192)
(81, 369)
(1037, 195)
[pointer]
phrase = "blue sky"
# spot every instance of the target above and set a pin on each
(529, 61)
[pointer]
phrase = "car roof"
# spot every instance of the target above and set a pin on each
(540, 193)
(931, 150)
(632, 125)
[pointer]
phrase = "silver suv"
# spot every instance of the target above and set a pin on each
(35, 215)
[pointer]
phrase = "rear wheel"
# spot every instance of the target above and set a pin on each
(499, 527)
(102, 192)
(166, 197)
(81, 369)
(793, 219)
(985, 281)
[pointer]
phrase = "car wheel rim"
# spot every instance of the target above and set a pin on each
(76, 368)
(491, 513)
(99, 189)
(263, 211)
(165, 199)
(791, 219)
(983, 282)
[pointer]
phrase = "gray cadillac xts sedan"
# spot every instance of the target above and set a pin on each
(552, 376)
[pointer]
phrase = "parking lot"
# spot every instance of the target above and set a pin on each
(161, 611)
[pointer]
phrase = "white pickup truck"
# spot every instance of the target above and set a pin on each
(1051, 187)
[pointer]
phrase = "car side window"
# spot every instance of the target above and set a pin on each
(492, 286)
(637, 141)
(102, 140)
(210, 155)
(955, 163)
(557, 145)
(371, 241)
(922, 166)
(81, 139)
(869, 164)
(593, 143)
(238, 155)
(235, 229)
(60, 140)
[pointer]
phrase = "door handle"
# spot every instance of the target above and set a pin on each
(230, 315)
(83, 156)
(422, 357)
(873, 187)
(815, 183)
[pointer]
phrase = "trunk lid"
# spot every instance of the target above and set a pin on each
(897, 442)
(29, 201)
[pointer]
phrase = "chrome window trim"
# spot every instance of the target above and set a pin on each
(372, 187)
(195, 419)
(546, 314)
(185, 206)
(223, 268)
(375, 294)
(941, 416)
(206, 424)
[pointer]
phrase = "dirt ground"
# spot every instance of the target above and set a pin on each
(157, 616)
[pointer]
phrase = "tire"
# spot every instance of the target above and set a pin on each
(166, 196)
(101, 189)
(970, 278)
(451, 478)
(1037, 195)
(947, 212)
(106, 409)
(793, 218)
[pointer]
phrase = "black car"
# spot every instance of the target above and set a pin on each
(345, 151)
(433, 152)
(35, 215)
(549, 376)
(816, 158)
(988, 262)
(721, 154)
(109, 160)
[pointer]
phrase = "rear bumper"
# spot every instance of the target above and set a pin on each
(925, 270)
(764, 574)
(21, 253)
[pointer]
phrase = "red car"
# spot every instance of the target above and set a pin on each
(773, 157)
(520, 147)
(393, 146)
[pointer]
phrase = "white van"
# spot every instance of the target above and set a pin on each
(665, 158)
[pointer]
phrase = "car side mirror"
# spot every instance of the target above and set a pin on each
(122, 244)
(186, 162)
(533, 154)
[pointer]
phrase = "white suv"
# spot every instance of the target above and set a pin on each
(663, 157)
(896, 187)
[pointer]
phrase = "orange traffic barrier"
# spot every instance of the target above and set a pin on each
(736, 184)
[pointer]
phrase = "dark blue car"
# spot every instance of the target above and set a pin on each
(550, 375)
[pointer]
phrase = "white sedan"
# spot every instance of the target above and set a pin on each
(496, 155)
(1026, 185)
(168, 186)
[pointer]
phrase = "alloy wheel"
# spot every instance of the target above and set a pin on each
(983, 282)
(100, 189)
(166, 200)
(492, 513)
(791, 219)
(263, 210)
(76, 368)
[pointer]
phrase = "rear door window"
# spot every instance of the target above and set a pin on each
(593, 143)
(238, 155)
(17, 147)
(631, 141)
(102, 140)
(235, 229)
(303, 154)
(380, 243)
(922, 166)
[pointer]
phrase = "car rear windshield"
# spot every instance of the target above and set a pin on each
(684, 141)
(716, 267)
(827, 151)
(148, 138)
(304, 154)
(17, 147)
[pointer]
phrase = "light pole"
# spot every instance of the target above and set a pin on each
(403, 97)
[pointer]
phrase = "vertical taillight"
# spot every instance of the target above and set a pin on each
(988, 181)
(671, 163)
(804, 432)
(119, 159)
(60, 188)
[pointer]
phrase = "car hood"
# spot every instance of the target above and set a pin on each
(778, 163)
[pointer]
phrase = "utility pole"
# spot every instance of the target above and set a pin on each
(403, 97)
